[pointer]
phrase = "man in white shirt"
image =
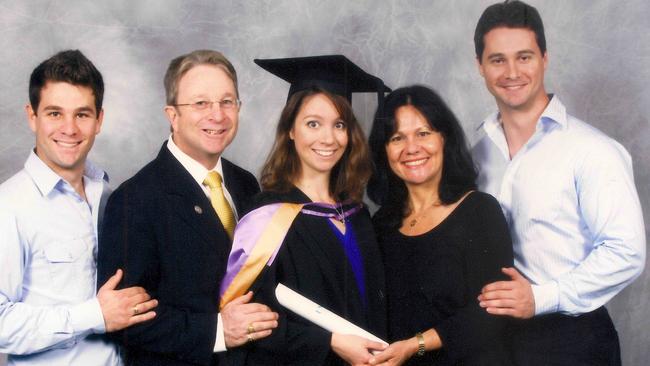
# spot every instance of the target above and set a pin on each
(166, 226)
(49, 214)
(567, 191)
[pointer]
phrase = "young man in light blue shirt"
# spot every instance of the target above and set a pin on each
(567, 191)
(49, 215)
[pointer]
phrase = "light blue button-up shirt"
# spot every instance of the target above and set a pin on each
(49, 314)
(574, 214)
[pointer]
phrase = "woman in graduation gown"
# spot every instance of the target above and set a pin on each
(441, 239)
(329, 254)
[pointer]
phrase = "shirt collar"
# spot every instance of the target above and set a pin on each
(490, 123)
(47, 180)
(555, 112)
(196, 169)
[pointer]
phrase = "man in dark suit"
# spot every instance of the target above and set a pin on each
(170, 226)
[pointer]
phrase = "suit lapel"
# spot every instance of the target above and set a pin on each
(233, 186)
(189, 201)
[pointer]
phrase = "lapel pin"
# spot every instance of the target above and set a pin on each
(198, 209)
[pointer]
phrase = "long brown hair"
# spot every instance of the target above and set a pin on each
(350, 174)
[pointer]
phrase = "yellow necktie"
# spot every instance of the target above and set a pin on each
(219, 202)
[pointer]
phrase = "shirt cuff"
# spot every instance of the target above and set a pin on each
(220, 342)
(87, 316)
(547, 298)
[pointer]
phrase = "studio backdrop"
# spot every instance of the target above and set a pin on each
(599, 64)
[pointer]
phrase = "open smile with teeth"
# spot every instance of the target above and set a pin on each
(325, 153)
(214, 132)
(67, 144)
(413, 163)
(513, 87)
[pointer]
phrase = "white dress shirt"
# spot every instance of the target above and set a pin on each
(48, 248)
(199, 173)
(572, 207)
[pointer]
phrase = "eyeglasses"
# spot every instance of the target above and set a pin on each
(225, 104)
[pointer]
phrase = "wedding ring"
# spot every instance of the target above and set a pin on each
(249, 338)
(250, 328)
(135, 310)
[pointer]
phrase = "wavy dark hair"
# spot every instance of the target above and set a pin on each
(349, 176)
(458, 172)
(509, 14)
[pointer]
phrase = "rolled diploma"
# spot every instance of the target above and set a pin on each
(318, 314)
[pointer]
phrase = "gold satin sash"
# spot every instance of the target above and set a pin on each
(270, 239)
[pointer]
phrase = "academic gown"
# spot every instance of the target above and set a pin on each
(312, 262)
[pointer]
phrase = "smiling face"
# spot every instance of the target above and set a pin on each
(320, 135)
(204, 134)
(65, 126)
(513, 68)
(415, 150)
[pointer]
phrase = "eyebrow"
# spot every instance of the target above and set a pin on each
(205, 96)
(415, 130)
(312, 116)
(52, 108)
(519, 53)
(58, 108)
(85, 109)
(321, 118)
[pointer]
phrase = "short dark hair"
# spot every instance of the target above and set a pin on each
(71, 67)
(509, 14)
(458, 172)
(349, 176)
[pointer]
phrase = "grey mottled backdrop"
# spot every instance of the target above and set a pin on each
(599, 64)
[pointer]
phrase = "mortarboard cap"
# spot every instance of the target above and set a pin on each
(334, 73)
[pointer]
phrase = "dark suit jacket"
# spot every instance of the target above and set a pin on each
(160, 228)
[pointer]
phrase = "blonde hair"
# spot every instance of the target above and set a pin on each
(184, 63)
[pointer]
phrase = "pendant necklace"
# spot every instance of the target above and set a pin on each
(339, 214)
(415, 220)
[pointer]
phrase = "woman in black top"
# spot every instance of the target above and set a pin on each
(441, 240)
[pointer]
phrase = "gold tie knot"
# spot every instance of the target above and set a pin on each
(213, 180)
